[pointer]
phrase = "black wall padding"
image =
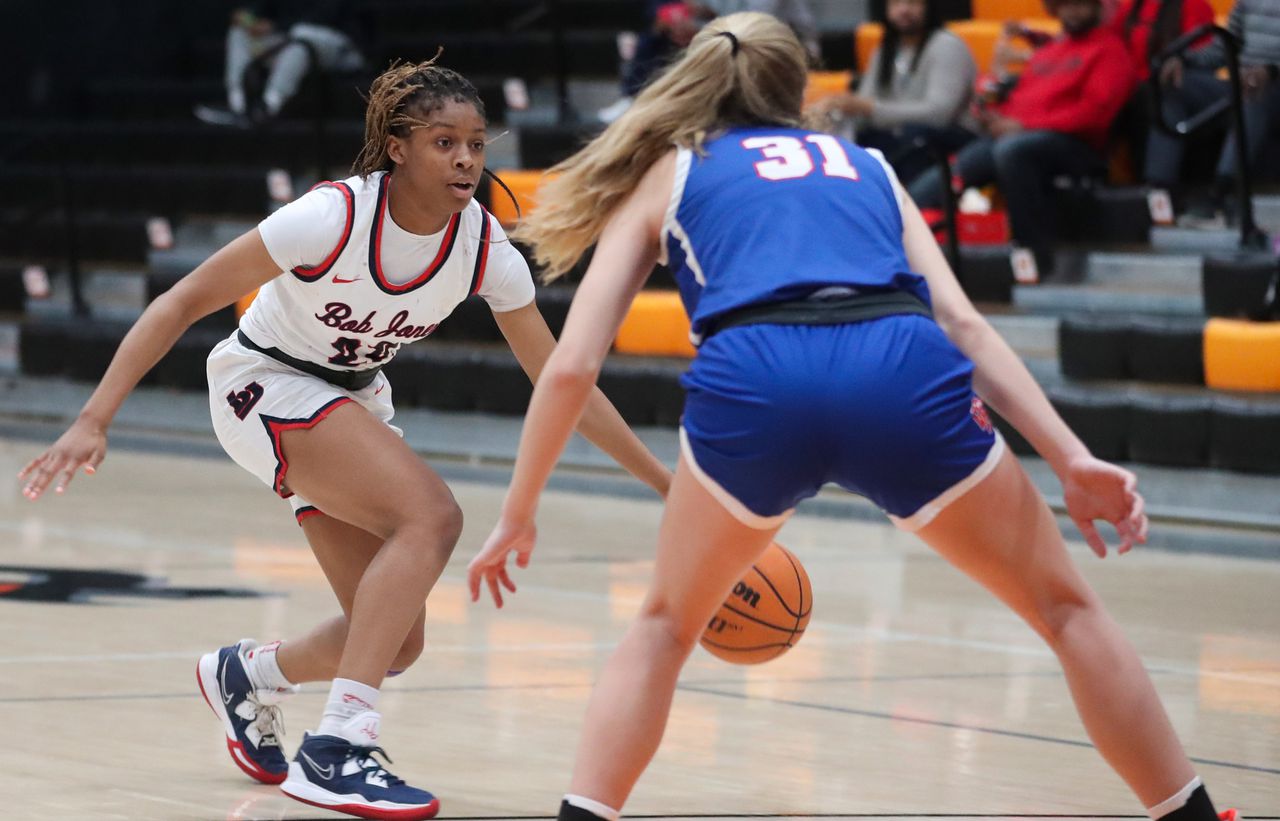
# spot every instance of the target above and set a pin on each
(13, 294)
(1169, 430)
(1094, 347)
(554, 304)
(1118, 215)
(90, 347)
(1245, 436)
(986, 274)
(471, 321)
(1167, 350)
(1016, 441)
(223, 319)
(1100, 420)
(1240, 284)
(502, 386)
(433, 376)
(42, 347)
(184, 366)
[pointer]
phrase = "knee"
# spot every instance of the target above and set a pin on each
(1063, 613)
(1010, 154)
(667, 630)
(434, 523)
(409, 651)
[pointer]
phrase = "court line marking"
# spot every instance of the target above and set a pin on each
(977, 728)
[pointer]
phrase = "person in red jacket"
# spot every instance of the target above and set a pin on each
(1054, 122)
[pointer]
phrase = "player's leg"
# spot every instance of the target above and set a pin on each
(702, 551)
(355, 468)
(1019, 555)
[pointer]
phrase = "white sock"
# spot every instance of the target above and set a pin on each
(1174, 802)
(594, 807)
(235, 100)
(263, 669)
(347, 699)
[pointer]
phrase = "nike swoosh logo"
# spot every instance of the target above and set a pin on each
(222, 681)
(324, 772)
(341, 281)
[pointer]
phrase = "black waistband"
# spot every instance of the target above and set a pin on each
(838, 311)
(348, 380)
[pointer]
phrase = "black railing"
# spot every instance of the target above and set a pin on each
(949, 205)
(1250, 235)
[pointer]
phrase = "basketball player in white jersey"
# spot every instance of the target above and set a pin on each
(346, 275)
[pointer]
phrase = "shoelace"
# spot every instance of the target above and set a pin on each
(365, 760)
(269, 723)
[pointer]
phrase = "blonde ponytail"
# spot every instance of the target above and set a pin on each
(756, 75)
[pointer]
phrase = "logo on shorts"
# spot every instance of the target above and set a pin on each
(978, 411)
(242, 402)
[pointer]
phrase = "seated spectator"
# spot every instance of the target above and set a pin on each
(917, 86)
(1147, 27)
(1054, 122)
(795, 13)
(1192, 85)
(283, 35)
(671, 27)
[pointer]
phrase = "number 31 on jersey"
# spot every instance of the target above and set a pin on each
(788, 158)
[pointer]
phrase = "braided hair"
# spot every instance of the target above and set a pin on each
(400, 100)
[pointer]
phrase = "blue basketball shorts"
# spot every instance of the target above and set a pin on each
(884, 408)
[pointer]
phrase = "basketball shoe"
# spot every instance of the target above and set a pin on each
(333, 772)
(251, 717)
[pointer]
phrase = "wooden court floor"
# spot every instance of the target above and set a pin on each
(913, 694)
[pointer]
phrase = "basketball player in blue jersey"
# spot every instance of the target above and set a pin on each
(346, 275)
(834, 346)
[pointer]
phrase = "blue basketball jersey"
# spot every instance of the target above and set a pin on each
(773, 214)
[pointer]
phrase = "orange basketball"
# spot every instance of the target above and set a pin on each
(765, 614)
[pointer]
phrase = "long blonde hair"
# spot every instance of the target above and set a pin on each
(741, 69)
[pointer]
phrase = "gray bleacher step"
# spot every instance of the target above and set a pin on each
(1266, 211)
(1059, 300)
(1032, 336)
(1134, 268)
(1194, 240)
(194, 241)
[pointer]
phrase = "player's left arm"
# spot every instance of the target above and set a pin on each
(625, 255)
(532, 342)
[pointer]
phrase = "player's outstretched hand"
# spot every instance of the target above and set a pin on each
(490, 564)
(82, 446)
(1094, 489)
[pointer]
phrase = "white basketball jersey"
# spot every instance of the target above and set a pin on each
(344, 313)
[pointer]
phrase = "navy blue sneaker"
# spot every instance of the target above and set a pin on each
(252, 722)
(331, 772)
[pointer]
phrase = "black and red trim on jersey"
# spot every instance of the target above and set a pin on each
(306, 512)
(276, 426)
(482, 253)
(311, 273)
(375, 247)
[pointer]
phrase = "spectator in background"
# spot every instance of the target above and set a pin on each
(1054, 121)
(918, 85)
(1191, 86)
(284, 35)
(795, 13)
(671, 27)
(1147, 27)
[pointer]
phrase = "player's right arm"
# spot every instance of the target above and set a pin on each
(229, 274)
(1093, 489)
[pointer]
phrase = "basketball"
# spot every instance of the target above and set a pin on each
(766, 612)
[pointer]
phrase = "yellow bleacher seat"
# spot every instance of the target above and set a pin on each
(523, 183)
(1241, 355)
(1222, 8)
(1001, 10)
(823, 84)
(979, 35)
(243, 303)
(656, 325)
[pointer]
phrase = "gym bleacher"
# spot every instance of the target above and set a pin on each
(1155, 356)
